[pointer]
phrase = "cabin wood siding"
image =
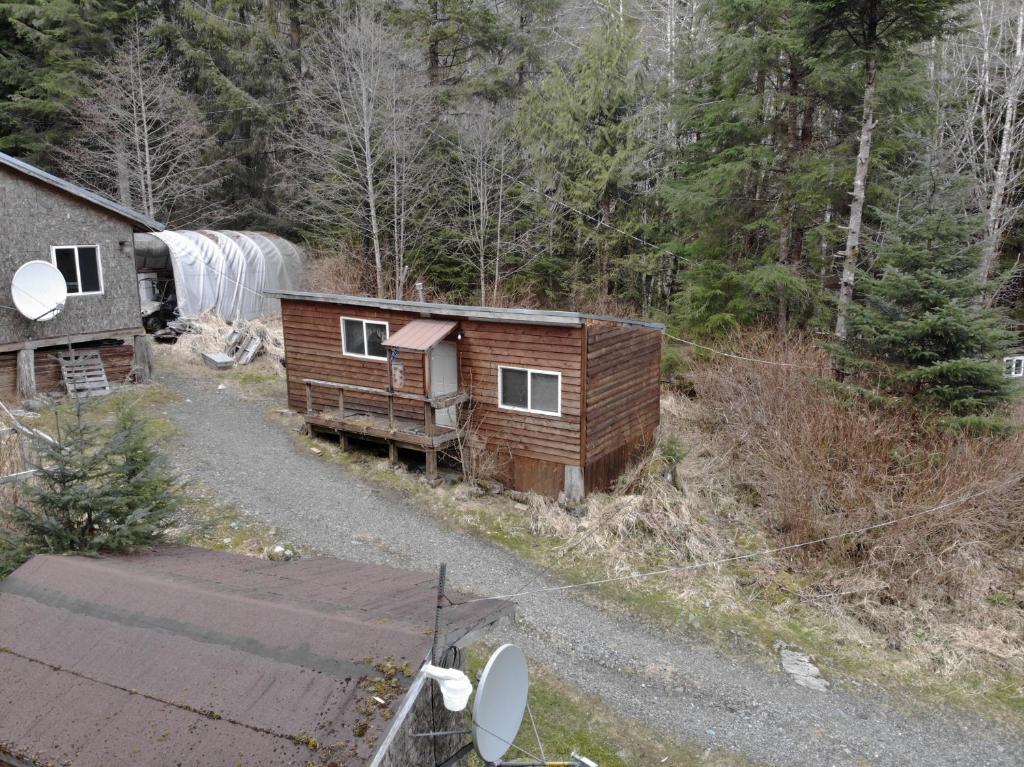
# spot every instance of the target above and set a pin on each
(623, 398)
(487, 345)
(313, 349)
(609, 393)
(117, 362)
(33, 218)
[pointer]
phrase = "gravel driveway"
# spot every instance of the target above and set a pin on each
(674, 684)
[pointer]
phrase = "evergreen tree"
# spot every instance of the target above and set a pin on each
(871, 33)
(585, 134)
(96, 491)
(916, 307)
(756, 177)
(49, 50)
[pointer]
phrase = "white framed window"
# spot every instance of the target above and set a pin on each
(1013, 367)
(81, 267)
(529, 390)
(364, 338)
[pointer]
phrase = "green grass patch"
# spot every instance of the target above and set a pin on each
(100, 411)
(569, 720)
(209, 523)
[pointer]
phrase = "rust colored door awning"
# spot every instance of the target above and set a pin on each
(421, 335)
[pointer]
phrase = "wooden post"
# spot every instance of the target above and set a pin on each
(341, 404)
(392, 452)
(26, 377)
(391, 399)
(309, 399)
(428, 413)
(431, 463)
(343, 442)
(142, 360)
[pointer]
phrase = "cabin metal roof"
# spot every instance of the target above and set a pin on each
(420, 335)
(193, 657)
(141, 221)
(487, 313)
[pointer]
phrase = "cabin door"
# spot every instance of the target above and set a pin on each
(444, 379)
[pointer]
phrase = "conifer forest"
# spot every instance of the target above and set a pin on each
(845, 169)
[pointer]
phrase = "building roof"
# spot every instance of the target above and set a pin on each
(141, 221)
(488, 313)
(193, 657)
(420, 335)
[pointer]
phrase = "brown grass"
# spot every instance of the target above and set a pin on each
(337, 270)
(211, 333)
(767, 456)
(813, 465)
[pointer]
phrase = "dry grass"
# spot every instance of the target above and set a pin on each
(337, 270)
(812, 465)
(767, 456)
(211, 332)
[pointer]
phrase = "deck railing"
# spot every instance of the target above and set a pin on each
(432, 404)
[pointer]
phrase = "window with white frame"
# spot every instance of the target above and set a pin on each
(1013, 367)
(531, 391)
(81, 267)
(364, 338)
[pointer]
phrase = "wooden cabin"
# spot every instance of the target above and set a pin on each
(90, 240)
(561, 402)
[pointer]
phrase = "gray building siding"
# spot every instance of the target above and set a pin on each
(33, 218)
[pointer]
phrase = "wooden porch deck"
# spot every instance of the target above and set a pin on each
(398, 431)
(407, 432)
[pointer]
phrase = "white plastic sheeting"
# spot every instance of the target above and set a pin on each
(228, 272)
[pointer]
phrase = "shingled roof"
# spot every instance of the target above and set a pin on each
(141, 221)
(192, 657)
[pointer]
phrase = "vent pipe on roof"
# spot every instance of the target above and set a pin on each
(419, 292)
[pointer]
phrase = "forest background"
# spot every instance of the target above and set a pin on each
(851, 169)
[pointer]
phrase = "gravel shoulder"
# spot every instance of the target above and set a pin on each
(676, 685)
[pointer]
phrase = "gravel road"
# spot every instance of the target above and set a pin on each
(674, 684)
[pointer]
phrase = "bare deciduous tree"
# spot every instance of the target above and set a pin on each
(355, 150)
(497, 239)
(142, 140)
(984, 72)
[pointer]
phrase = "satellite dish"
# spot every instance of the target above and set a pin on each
(39, 290)
(500, 702)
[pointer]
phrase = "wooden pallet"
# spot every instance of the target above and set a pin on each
(83, 374)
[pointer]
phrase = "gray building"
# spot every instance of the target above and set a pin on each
(90, 239)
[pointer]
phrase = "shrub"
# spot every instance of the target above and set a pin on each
(95, 490)
(824, 464)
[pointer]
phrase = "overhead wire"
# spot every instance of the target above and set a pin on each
(740, 356)
(755, 554)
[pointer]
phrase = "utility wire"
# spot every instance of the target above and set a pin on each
(754, 555)
(739, 356)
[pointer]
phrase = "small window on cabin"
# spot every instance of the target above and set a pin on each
(80, 266)
(376, 335)
(1013, 367)
(364, 338)
(533, 391)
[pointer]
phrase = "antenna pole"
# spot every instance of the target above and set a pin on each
(437, 613)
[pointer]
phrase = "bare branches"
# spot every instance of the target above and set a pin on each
(356, 148)
(142, 140)
(496, 240)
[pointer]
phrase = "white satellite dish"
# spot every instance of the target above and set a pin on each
(39, 290)
(500, 702)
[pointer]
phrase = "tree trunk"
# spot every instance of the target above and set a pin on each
(371, 204)
(433, 50)
(997, 202)
(852, 254)
(788, 203)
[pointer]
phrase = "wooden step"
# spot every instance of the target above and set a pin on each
(83, 373)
